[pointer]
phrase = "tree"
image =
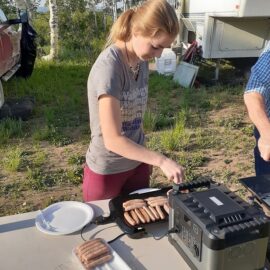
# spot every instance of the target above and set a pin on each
(92, 6)
(30, 5)
(53, 31)
(125, 5)
(8, 7)
(114, 9)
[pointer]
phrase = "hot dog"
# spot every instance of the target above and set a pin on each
(129, 219)
(150, 214)
(131, 202)
(149, 199)
(154, 211)
(140, 216)
(145, 215)
(159, 202)
(161, 214)
(166, 208)
(134, 205)
(135, 217)
(98, 261)
(92, 254)
(89, 245)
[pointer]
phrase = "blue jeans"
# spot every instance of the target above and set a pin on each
(261, 166)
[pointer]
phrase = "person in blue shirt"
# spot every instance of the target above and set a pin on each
(257, 100)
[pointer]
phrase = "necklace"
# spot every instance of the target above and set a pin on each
(135, 70)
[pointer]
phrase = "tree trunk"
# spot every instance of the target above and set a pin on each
(125, 5)
(114, 10)
(53, 31)
(104, 21)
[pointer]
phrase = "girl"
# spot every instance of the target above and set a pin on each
(117, 161)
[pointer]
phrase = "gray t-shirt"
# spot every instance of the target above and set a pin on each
(111, 75)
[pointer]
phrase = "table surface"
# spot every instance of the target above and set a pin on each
(24, 247)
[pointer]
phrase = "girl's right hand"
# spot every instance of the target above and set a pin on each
(172, 170)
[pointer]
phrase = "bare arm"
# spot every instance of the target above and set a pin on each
(257, 113)
(110, 121)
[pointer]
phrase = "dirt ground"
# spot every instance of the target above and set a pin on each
(221, 165)
(16, 201)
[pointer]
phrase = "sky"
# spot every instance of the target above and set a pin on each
(42, 3)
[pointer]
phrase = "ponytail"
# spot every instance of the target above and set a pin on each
(121, 29)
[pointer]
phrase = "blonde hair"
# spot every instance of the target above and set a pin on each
(149, 19)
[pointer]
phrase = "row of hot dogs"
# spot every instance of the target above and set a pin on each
(151, 209)
(93, 253)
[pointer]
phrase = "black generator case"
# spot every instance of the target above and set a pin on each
(214, 229)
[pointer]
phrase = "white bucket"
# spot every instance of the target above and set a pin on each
(166, 63)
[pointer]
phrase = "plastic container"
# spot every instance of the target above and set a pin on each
(116, 263)
(166, 64)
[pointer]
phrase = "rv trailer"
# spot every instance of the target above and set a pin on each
(224, 29)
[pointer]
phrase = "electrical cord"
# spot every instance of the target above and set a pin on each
(172, 230)
(83, 228)
(109, 242)
(97, 221)
(117, 237)
(104, 220)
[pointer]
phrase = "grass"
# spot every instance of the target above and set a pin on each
(13, 159)
(10, 128)
(206, 130)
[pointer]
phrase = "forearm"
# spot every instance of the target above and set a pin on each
(257, 113)
(123, 146)
(128, 149)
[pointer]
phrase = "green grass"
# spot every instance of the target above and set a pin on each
(42, 158)
(150, 121)
(10, 128)
(13, 159)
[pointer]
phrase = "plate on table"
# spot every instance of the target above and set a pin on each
(64, 217)
(144, 190)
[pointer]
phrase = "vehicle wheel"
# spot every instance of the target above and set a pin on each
(2, 99)
(28, 51)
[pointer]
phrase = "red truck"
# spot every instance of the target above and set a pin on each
(17, 48)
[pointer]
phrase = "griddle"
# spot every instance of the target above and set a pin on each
(117, 211)
(259, 186)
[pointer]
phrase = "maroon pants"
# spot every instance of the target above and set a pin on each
(100, 187)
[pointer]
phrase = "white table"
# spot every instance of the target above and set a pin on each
(23, 247)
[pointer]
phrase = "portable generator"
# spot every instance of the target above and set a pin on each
(214, 229)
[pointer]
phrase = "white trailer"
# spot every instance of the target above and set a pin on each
(225, 28)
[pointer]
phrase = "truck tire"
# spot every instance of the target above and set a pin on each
(28, 51)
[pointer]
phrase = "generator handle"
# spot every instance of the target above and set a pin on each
(248, 226)
(190, 185)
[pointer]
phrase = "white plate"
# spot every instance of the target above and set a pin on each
(144, 190)
(64, 217)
